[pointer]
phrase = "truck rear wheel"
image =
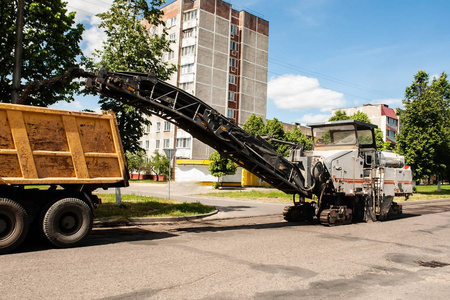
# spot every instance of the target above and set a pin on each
(67, 222)
(13, 225)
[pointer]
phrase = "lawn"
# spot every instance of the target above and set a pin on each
(141, 206)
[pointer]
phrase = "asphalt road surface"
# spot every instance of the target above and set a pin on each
(256, 257)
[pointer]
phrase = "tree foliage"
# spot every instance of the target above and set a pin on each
(424, 138)
(131, 47)
(221, 166)
(339, 115)
(254, 125)
(50, 47)
(159, 164)
(296, 136)
(136, 162)
(274, 128)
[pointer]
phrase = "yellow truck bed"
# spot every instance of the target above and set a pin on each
(50, 146)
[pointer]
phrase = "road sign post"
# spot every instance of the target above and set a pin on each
(170, 153)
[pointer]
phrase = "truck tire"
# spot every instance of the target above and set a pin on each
(13, 225)
(67, 222)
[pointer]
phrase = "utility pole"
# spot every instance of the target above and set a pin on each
(17, 73)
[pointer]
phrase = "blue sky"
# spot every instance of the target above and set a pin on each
(326, 54)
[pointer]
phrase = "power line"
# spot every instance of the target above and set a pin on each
(344, 93)
(329, 78)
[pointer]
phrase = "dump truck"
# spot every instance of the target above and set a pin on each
(50, 163)
(344, 178)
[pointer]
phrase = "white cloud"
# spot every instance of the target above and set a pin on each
(86, 10)
(296, 92)
(93, 38)
(314, 118)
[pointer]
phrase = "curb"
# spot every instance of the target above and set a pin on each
(149, 220)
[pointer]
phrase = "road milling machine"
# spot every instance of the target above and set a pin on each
(344, 177)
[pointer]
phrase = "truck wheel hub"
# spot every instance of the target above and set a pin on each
(69, 223)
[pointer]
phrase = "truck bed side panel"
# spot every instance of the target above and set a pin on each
(49, 146)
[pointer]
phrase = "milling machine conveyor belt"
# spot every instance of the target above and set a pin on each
(153, 96)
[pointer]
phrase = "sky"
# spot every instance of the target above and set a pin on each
(329, 54)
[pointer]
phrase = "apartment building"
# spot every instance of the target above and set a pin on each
(381, 115)
(222, 54)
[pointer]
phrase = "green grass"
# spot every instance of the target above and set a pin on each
(428, 192)
(140, 206)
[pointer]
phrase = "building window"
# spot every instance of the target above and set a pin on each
(158, 142)
(189, 50)
(183, 143)
(230, 113)
(231, 96)
(232, 79)
(233, 46)
(187, 86)
(392, 122)
(147, 144)
(186, 69)
(233, 29)
(190, 15)
(147, 128)
(390, 134)
(158, 126)
(171, 22)
(166, 126)
(189, 33)
(170, 55)
(172, 37)
(166, 143)
(233, 63)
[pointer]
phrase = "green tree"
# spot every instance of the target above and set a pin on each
(130, 46)
(221, 166)
(360, 116)
(296, 136)
(254, 125)
(50, 47)
(274, 128)
(159, 164)
(424, 136)
(136, 162)
(339, 115)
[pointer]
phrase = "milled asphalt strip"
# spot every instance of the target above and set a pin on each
(149, 220)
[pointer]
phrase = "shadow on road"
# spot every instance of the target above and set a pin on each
(240, 224)
(98, 236)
